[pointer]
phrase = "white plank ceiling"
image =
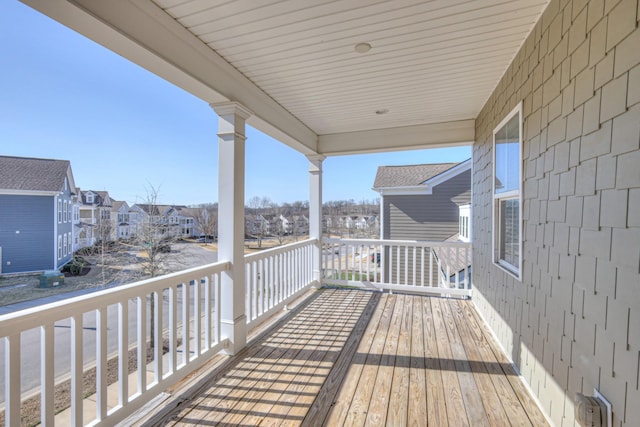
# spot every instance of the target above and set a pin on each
(431, 67)
(430, 61)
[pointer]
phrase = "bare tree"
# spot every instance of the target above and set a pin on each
(207, 220)
(258, 225)
(153, 241)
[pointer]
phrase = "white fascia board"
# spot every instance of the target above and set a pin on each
(72, 182)
(5, 192)
(446, 134)
(450, 173)
(143, 33)
(412, 190)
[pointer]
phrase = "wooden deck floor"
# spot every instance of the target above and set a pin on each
(349, 357)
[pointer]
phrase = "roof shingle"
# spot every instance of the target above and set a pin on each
(31, 174)
(408, 175)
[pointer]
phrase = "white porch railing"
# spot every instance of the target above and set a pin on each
(276, 276)
(108, 325)
(428, 267)
(42, 346)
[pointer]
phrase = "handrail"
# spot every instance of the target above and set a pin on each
(32, 317)
(185, 306)
(408, 265)
(279, 249)
(276, 276)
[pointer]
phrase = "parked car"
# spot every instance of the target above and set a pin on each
(375, 257)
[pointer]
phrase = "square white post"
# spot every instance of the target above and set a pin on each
(315, 214)
(231, 137)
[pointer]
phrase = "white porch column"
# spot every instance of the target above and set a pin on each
(315, 213)
(231, 137)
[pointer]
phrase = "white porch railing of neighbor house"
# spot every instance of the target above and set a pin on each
(44, 345)
(276, 276)
(427, 267)
(106, 330)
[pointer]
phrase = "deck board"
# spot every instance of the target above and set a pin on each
(353, 357)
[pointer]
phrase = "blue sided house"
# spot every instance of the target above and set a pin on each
(36, 214)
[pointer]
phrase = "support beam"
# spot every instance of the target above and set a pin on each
(231, 138)
(315, 213)
(434, 135)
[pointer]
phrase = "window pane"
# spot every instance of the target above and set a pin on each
(507, 156)
(510, 231)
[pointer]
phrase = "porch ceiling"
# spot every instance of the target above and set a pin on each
(432, 64)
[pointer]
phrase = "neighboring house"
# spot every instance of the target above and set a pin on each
(172, 220)
(327, 224)
(186, 220)
(36, 214)
(120, 220)
(282, 225)
(95, 217)
(299, 225)
(257, 224)
(417, 203)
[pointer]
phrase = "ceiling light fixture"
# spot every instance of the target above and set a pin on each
(363, 47)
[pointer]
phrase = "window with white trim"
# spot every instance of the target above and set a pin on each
(59, 247)
(70, 244)
(64, 245)
(59, 211)
(507, 193)
(64, 211)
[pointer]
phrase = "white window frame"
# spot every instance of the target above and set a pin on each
(70, 244)
(64, 211)
(59, 211)
(59, 247)
(64, 245)
(513, 270)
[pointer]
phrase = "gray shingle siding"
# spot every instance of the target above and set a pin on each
(425, 217)
(572, 323)
(32, 217)
(432, 217)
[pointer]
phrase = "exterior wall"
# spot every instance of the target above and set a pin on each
(573, 323)
(31, 248)
(432, 217)
(425, 217)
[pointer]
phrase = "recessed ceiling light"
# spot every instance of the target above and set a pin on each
(363, 47)
(382, 111)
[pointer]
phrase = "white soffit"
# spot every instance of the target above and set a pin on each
(430, 61)
(294, 63)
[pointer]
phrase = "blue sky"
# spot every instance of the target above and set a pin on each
(124, 129)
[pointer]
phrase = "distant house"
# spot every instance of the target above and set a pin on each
(299, 225)
(120, 220)
(417, 200)
(95, 217)
(186, 220)
(171, 220)
(36, 214)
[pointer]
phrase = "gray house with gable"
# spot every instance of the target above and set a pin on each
(426, 202)
(36, 214)
(417, 201)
